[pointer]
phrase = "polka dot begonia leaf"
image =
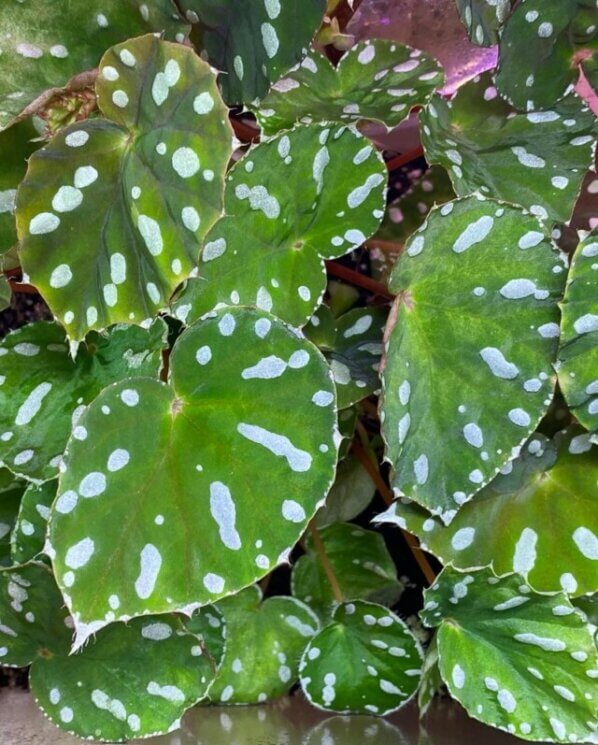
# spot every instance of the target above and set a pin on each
(43, 390)
(483, 19)
(353, 348)
(41, 52)
(431, 680)
(578, 353)
(252, 41)
(133, 680)
(378, 80)
(112, 211)
(360, 561)
(546, 507)
(313, 193)
(472, 339)
(537, 160)
(11, 493)
(352, 491)
(366, 661)
(536, 60)
(264, 642)
(514, 659)
(203, 516)
(209, 623)
(29, 534)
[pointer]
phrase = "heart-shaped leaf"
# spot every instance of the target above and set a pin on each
(11, 493)
(29, 534)
(536, 65)
(514, 659)
(313, 193)
(378, 80)
(203, 529)
(253, 42)
(41, 50)
(44, 390)
(352, 491)
(264, 642)
(366, 661)
(483, 19)
(578, 353)
(460, 394)
(546, 508)
(133, 680)
(112, 211)
(360, 561)
(537, 159)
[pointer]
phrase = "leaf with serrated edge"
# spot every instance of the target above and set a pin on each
(366, 661)
(40, 51)
(132, 680)
(186, 533)
(44, 391)
(310, 194)
(113, 210)
(483, 19)
(537, 160)
(553, 554)
(263, 646)
(459, 394)
(535, 66)
(360, 561)
(378, 80)
(514, 659)
(578, 353)
(29, 534)
(252, 42)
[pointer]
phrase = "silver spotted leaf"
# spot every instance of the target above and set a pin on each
(209, 624)
(44, 390)
(29, 533)
(431, 680)
(314, 193)
(578, 353)
(16, 145)
(537, 160)
(472, 339)
(203, 529)
(112, 211)
(41, 52)
(366, 661)
(553, 554)
(253, 41)
(536, 65)
(264, 643)
(132, 680)
(483, 19)
(378, 80)
(360, 561)
(352, 491)
(11, 494)
(514, 659)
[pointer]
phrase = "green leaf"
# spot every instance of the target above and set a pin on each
(44, 390)
(203, 529)
(431, 681)
(378, 80)
(366, 661)
(553, 554)
(514, 659)
(253, 42)
(5, 292)
(578, 353)
(263, 645)
(321, 328)
(352, 491)
(11, 493)
(483, 19)
(16, 146)
(133, 680)
(29, 534)
(361, 563)
(311, 194)
(347, 420)
(210, 625)
(42, 50)
(537, 159)
(535, 63)
(460, 396)
(131, 195)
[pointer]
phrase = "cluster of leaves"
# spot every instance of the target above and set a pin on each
(203, 402)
